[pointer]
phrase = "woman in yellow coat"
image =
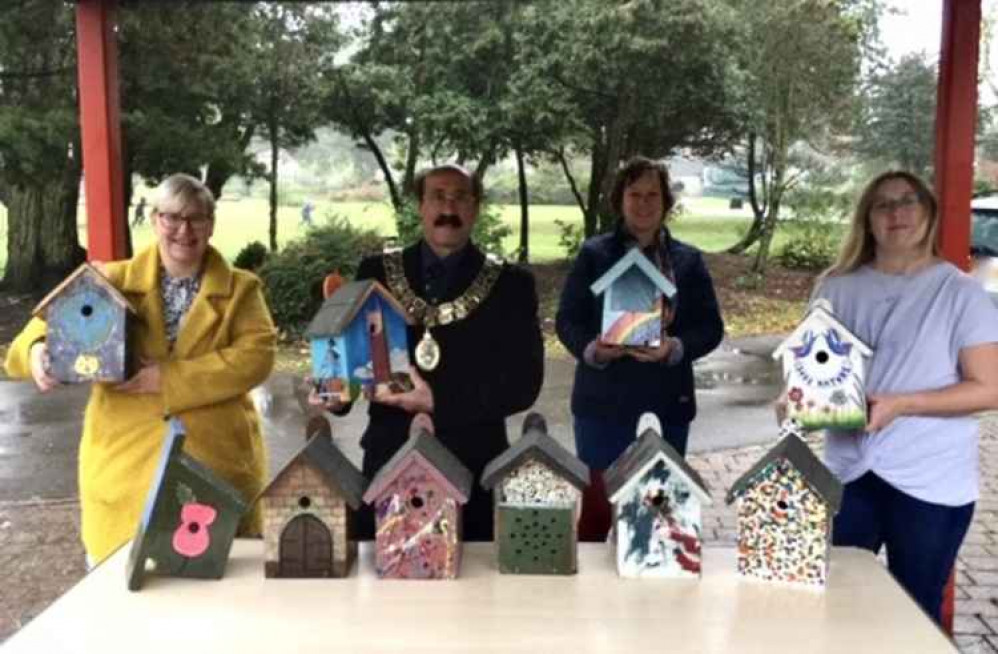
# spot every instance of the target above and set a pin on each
(204, 339)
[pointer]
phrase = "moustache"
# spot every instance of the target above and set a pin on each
(448, 220)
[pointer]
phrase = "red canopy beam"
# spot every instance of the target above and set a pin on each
(956, 120)
(100, 124)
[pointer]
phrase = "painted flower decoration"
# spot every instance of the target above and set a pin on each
(192, 538)
(839, 398)
(796, 394)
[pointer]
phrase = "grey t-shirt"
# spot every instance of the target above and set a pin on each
(916, 325)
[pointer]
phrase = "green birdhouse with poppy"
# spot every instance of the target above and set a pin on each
(87, 324)
(189, 521)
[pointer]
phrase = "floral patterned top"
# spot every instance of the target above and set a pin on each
(178, 295)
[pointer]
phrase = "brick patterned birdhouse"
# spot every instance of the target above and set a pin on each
(87, 325)
(824, 371)
(786, 503)
(306, 509)
(359, 342)
(537, 487)
(657, 500)
(637, 296)
(190, 518)
(417, 497)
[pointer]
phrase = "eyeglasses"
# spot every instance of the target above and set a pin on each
(173, 221)
(461, 198)
(885, 205)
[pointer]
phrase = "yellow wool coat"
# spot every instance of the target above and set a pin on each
(224, 348)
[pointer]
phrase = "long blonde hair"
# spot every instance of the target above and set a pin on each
(859, 246)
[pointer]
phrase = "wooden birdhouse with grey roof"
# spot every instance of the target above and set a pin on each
(537, 489)
(786, 503)
(87, 326)
(417, 497)
(824, 371)
(359, 342)
(306, 510)
(657, 500)
(637, 297)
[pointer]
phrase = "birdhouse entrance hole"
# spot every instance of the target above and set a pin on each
(86, 310)
(821, 356)
(304, 502)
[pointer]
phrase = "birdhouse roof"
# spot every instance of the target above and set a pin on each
(792, 448)
(427, 449)
(536, 444)
(340, 309)
(91, 273)
(820, 317)
(641, 456)
(336, 468)
(634, 257)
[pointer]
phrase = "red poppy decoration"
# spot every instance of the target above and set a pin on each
(796, 394)
(192, 538)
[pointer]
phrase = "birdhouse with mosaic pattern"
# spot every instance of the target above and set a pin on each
(306, 510)
(636, 298)
(537, 489)
(418, 497)
(785, 506)
(190, 518)
(87, 325)
(824, 371)
(359, 343)
(657, 501)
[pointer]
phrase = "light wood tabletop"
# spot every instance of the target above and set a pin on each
(862, 610)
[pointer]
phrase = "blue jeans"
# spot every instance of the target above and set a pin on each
(599, 441)
(922, 538)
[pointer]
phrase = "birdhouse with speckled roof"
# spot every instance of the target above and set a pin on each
(824, 371)
(417, 497)
(786, 503)
(657, 500)
(537, 489)
(87, 325)
(636, 298)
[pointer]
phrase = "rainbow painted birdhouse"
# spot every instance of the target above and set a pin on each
(306, 510)
(359, 342)
(786, 503)
(657, 499)
(189, 521)
(417, 496)
(87, 324)
(824, 370)
(537, 488)
(637, 296)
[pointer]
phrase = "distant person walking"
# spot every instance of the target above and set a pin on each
(306, 213)
(140, 212)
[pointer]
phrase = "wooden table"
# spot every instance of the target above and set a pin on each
(863, 610)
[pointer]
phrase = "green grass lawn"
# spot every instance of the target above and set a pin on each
(706, 223)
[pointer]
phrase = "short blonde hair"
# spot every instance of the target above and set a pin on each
(859, 246)
(183, 194)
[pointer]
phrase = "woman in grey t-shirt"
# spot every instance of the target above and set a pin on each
(911, 475)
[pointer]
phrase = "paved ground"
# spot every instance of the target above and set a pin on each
(40, 557)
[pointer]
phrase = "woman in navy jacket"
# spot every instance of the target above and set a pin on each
(615, 385)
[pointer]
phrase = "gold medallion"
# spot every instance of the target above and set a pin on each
(427, 352)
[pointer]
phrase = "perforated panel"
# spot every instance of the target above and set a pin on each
(536, 540)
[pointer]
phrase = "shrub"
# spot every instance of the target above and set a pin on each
(812, 245)
(293, 277)
(251, 257)
(488, 233)
(569, 237)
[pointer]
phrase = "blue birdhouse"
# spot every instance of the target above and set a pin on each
(88, 321)
(637, 295)
(359, 342)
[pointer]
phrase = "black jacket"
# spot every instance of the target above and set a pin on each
(491, 366)
(627, 388)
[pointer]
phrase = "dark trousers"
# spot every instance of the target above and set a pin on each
(922, 539)
(598, 442)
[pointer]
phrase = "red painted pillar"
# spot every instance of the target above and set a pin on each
(100, 124)
(956, 119)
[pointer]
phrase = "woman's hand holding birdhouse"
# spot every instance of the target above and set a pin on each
(418, 400)
(660, 354)
(39, 368)
(146, 380)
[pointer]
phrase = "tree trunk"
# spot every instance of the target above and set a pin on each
(571, 181)
(386, 170)
(524, 207)
(410, 161)
(43, 244)
(274, 158)
(220, 170)
(614, 151)
(758, 208)
(597, 162)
